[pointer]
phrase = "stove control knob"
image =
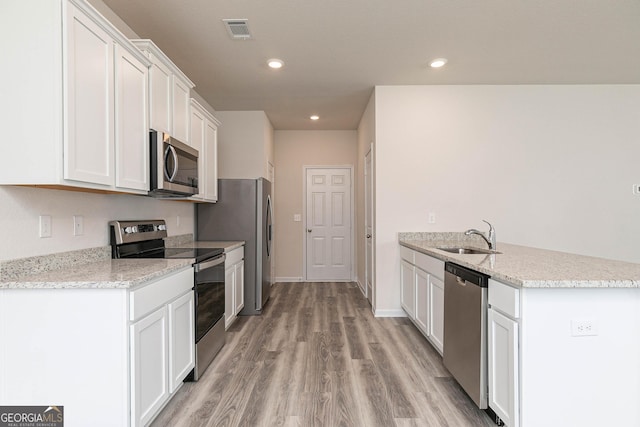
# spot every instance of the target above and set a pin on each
(135, 229)
(162, 227)
(127, 230)
(130, 230)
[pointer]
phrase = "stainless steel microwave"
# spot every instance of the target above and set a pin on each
(174, 167)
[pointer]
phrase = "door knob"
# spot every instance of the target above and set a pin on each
(308, 230)
(368, 236)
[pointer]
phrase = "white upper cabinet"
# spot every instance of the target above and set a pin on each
(204, 138)
(169, 93)
(72, 96)
(89, 146)
(132, 147)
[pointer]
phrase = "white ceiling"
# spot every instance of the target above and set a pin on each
(336, 51)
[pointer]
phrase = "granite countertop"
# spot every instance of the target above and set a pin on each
(106, 274)
(93, 268)
(528, 267)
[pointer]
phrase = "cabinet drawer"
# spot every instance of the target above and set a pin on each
(149, 297)
(504, 298)
(431, 265)
(407, 254)
(234, 256)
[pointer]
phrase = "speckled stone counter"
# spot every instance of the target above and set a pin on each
(528, 267)
(109, 274)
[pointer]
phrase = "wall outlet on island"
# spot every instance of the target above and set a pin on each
(431, 218)
(583, 328)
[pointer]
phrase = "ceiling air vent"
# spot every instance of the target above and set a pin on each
(238, 29)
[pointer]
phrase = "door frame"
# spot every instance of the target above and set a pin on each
(305, 169)
(369, 204)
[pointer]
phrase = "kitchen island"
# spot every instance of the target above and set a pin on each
(566, 348)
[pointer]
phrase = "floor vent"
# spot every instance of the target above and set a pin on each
(238, 29)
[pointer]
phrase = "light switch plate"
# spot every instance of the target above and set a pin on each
(297, 217)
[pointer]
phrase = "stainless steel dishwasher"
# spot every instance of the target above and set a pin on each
(465, 330)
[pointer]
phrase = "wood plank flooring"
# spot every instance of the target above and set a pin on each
(318, 357)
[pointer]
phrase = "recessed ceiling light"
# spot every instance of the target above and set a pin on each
(314, 117)
(439, 62)
(275, 63)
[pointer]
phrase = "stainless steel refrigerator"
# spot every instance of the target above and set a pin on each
(243, 212)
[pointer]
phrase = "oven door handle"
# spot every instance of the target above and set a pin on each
(208, 264)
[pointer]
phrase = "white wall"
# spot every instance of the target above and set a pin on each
(20, 208)
(293, 151)
(549, 166)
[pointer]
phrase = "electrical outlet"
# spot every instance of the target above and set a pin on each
(78, 225)
(45, 225)
(636, 188)
(583, 328)
(177, 220)
(297, 217)
(431, 218)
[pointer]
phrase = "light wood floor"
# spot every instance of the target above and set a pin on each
(318, 357)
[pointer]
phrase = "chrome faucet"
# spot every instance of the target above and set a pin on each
(491, 241)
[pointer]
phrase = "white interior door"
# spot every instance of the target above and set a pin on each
(328, 221)
(368, 225)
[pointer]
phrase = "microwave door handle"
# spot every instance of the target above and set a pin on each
(171, 150)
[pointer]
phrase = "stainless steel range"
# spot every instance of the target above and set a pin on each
(145, 239)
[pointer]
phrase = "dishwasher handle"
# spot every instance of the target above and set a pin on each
(467, 275)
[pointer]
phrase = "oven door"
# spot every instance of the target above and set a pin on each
(209, 294)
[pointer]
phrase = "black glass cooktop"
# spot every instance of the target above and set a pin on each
(199, 254)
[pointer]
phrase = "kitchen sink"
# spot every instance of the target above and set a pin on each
(468, 251)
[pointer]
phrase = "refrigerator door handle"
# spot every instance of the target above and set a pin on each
(269, 226)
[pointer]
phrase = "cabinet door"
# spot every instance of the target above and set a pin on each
(229, 279)
(503, 367)
(132, 129)
(422, 300)
(211, 162)
(181, 101)
(160, 106)
(436, 312)
(149, 382)
(239, 287)
(197, 138)
(407, 280)
(89, 141)
(181, 339)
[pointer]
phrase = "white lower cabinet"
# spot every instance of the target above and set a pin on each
(120, 353)
(181, 339)
(149, 366)
(422, 293)
(233, 285)
(408, 288)
(422, 300)
(435, 331)
(503, 352)
(162, 343)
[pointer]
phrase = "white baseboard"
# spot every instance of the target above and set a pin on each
(390, 313)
